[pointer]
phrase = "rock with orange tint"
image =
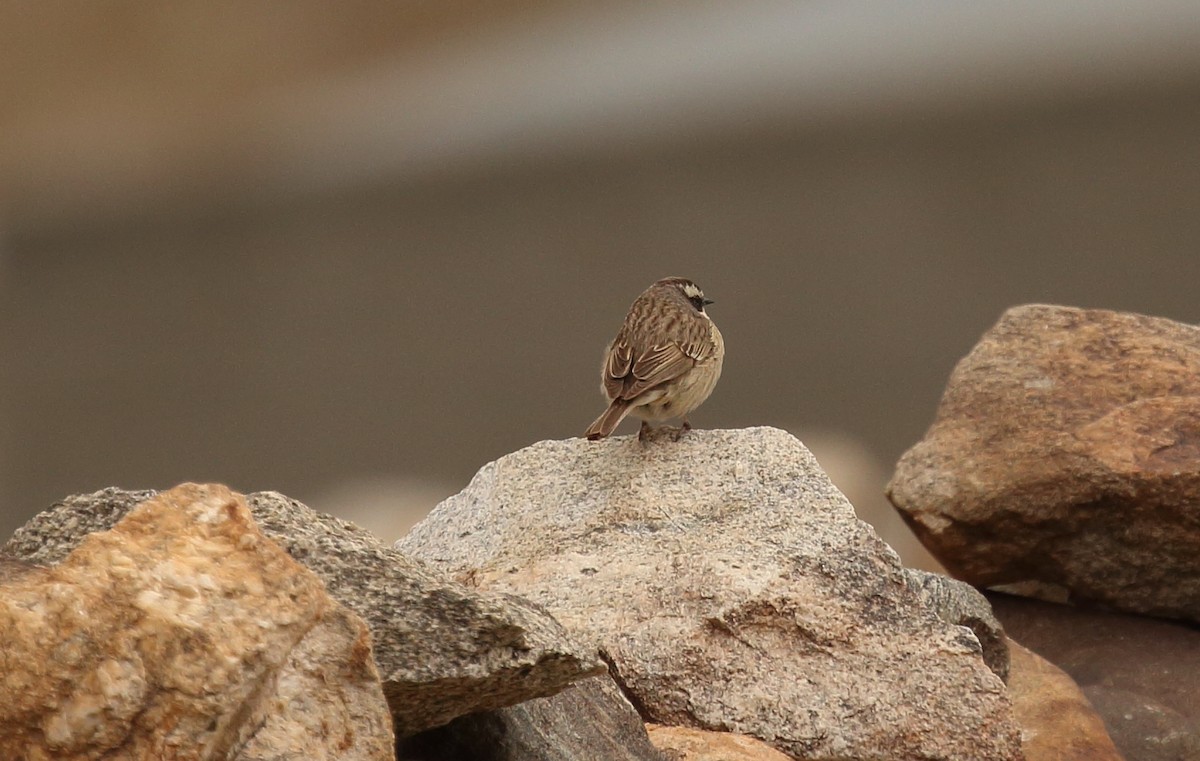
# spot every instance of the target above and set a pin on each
(1057, 721)
(1140, 674)
(1065, 458)
(443, 649)
(184, 633)
(687, 744)
(328, 703)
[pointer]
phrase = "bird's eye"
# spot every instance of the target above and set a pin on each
(699, 302)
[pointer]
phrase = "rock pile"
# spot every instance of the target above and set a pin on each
(1064, 463)
(694, 600)
(443, 649)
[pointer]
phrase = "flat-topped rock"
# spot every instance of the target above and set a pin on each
(730, 587)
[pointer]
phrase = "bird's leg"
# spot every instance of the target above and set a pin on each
(644, 431)
(684, 428)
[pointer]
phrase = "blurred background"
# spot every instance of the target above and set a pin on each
(353, 251)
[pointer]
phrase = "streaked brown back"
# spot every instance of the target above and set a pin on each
(663, 337)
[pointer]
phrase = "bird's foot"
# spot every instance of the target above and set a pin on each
(646, 434)
(677, 433)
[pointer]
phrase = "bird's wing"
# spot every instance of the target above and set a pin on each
(699, 348)
(616, 367)
(656, 365)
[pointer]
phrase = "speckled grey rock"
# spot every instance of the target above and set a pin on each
(589, 721)
(958, 602)
(442, 648)
(729, 586)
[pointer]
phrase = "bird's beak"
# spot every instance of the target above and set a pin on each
(708, 301)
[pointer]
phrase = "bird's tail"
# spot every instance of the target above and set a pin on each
(609, 420)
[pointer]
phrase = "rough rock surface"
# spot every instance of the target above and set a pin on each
(443, 648)
(1142, 675)
(688, 744)
(1066, 451)
(184, 633)
(589, 721)
(730, 587)
(333, 659)
(1057, 721)
(957, 602)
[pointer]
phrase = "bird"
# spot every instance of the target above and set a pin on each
(664, 361)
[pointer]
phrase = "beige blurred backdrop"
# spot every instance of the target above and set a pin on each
(353, 251)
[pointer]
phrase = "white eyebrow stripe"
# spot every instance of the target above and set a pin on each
(691, 291)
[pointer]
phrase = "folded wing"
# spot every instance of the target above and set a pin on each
(629, 375)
